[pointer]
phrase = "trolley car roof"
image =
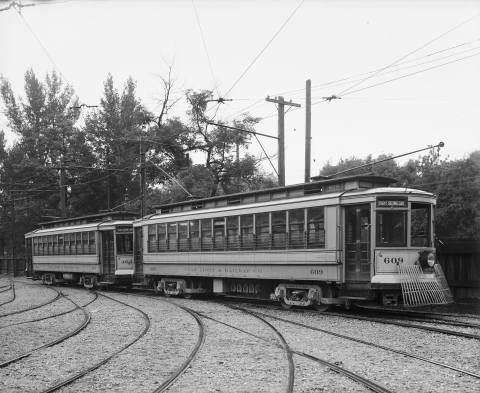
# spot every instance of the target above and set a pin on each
(283, 204)
(324, 186)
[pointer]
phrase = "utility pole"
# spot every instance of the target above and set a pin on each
(143, 179)
(63, 199)
(308, 129)
(280, 101)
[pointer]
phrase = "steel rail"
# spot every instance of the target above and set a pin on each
(14, 296)
(286, 347)
(78, 329)
(201, 339)
(409, 325)
(51, 316)
(34, 307)
(104, 361)
(424, 316)
(357, 378)
(406, 354)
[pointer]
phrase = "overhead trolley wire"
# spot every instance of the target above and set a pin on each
(408, 54)
(41, 44)
(411, 74)
(205, 48)
(264, 48)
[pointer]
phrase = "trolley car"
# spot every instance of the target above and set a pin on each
(330, 241)
(90, 250)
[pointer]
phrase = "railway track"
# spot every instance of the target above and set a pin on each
(378, 320)
(12, 287)
(59, 340)
(410, 325)
(51, 316)
(393, 350)
(84, 372)
(353, 376)
(57, 297)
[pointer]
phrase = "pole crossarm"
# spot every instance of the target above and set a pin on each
(280, 100)
(241, 129)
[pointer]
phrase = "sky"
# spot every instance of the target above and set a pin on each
(407, 72)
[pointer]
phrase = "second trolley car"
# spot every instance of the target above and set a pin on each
(90, 250)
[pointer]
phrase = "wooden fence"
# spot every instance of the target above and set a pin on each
(461, 264)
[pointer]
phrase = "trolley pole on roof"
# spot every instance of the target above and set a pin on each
(143, 179)
(308, 128)
(280, 101)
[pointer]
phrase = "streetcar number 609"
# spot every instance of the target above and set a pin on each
(394, 260)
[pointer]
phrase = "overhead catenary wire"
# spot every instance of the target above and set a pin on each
(45, 50)
(202, 35)
(408, 54)
(250, 65)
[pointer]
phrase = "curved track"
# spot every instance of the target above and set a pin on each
(370, 344)
(80, 374)
(201, 338)
(286, 347)
(180, 370)
(53, 315)
(409, 325)
(77, 330)
(14, 296)
(355, 377)
(33, 307)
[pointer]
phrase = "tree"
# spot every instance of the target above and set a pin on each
(47, 139)
(114, 133)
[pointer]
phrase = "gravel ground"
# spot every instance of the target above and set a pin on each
(393, 371)
(147, 363)
(228, 361)
(112, 325)
(243, 374)
(26, 296)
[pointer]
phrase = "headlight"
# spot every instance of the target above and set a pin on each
(431, 259)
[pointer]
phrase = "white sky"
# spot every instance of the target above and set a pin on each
(324, 41)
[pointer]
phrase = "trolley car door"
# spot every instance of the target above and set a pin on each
(357, 243)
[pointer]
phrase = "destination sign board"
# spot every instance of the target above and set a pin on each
(392, 202)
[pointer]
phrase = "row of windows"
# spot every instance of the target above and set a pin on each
(65, 244)
(298, 228)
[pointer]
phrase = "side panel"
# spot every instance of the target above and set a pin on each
(280, 272)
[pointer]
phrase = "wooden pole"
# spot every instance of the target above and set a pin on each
(308, 129)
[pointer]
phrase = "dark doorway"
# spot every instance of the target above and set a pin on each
(357, 243)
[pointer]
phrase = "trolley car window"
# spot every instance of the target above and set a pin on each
(194, 235)
(246, 231)
(279, 229)
(233, 232)
(172, 236)
(84, 242)
(61, 247)
(124, 243)
(161, 237)
(183, 236)
(296, 228)
(315, 227)
(391, 228)
(219, 233)
(206, 225)
(420, 225)
(262, 230)
(152, 238)
(91, 242)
